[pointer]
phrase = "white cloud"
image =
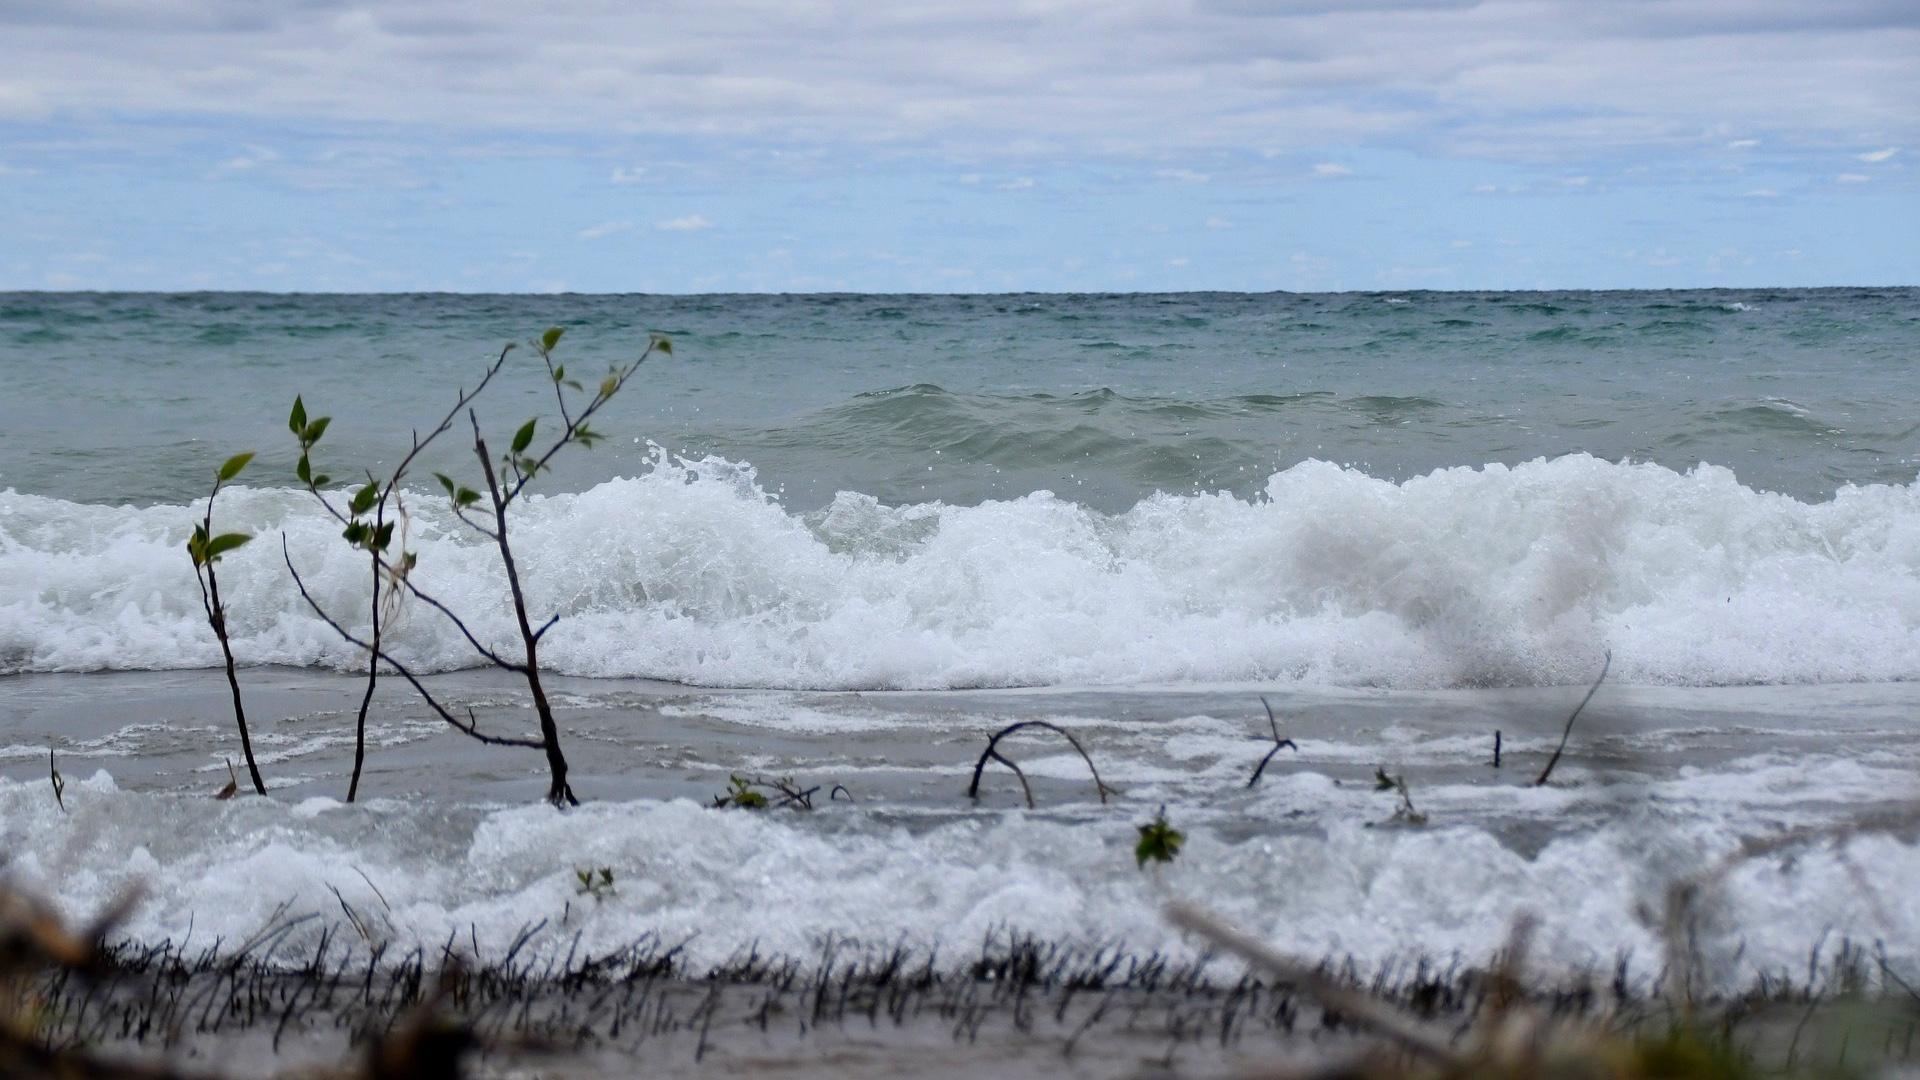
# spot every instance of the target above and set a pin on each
(1178, 261)
(689, 223)
(1331, 170)
(1218, 223)
(1184, 176)
(1877, 156)
(1575, 181)
(1760, 193)
(605, 228)
(1515, 79)
(629, 175)
(1021, 183)
(1853, 178)
(1743, 144)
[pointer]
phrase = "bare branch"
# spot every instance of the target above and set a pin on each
(1568, 732)
(1279, 743)
(992, 753)
(470, 728)
(1351, 1004)
(575, 424)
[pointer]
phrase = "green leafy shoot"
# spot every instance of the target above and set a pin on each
(233, 466)
(524, 437)
(297, 420)
(663, 343)
(595, 883)
(204, 549)
(1159, 841)
(364, 499)
(551, 338)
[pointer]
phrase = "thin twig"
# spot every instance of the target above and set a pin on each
(1568, 732)
(1278, 743)
(1349, 1003)
(991, 753)
(470, 729)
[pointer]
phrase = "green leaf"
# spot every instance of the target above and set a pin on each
(363, 500)
(466, 497)
(575, 384)
(356, 533)
(560, 373)
(316, 429)
(224, 543)
(196, 549)
(233, 466)
(664, 344)
(524, 437)
(608, 385)
(445, 481)
(552, 337)
(322, 480)
(304, 471)
(528, 466)
(1159, 841)
(383, 536)
(298, 421)
(1381, 781)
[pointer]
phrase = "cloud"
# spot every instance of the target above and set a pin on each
(1178, 261)
(689, 223)
(1331, 170)
(1877, 156)
(1552, 77)
(605, 228)
(628, 175)
(1853, 178)
(1019, 183)
(1743, 144)
(1218, 223)
(1184, 176)
(1760, 193)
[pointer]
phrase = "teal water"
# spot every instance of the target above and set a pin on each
(1104, 399)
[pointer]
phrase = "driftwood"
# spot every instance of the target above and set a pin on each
(992, 753)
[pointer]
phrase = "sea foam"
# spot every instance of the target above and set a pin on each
(1486, 576)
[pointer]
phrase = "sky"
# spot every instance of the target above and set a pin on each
(957, 145)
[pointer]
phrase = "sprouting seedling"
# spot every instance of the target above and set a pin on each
(595, 883)
(205, 547)
(1159, 841)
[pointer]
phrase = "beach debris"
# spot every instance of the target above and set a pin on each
(1575, 715)
(233, 784)
(1278, 743)
(1159, 841)
(1496, 748)
(992, 753)
(59, 782)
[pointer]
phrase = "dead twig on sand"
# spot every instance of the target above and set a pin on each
(1278, 743)
(1568, 731)
(992, 753)
(1354, 1005)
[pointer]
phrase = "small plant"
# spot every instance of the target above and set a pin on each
(369, 528)
(1405, 813)
(595, 883)
(205, 548)
(1159, 841)
(740, 795)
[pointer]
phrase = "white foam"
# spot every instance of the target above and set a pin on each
(1489, 576)
(783, 882)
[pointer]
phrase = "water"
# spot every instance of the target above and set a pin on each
(845, 538)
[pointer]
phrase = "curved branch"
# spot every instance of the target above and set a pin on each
(992, 753)
(1568, 731)
(496, 659)
(471, 728)
(1279, 743)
